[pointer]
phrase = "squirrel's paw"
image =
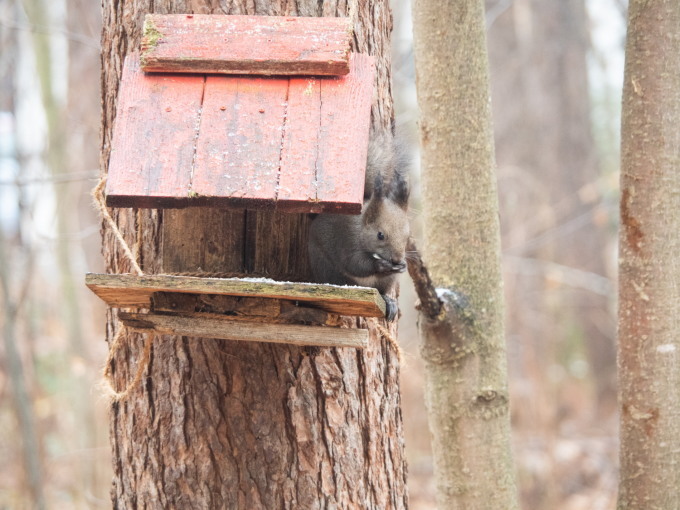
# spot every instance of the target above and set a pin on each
(391, 308)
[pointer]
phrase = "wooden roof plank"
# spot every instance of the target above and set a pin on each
(239, 146)
(205, 327)
(343, 142)
(155, 130)
(135, 291)
(301, 144)
(271, 45)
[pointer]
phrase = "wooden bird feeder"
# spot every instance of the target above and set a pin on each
(241, 112)
(252, 309)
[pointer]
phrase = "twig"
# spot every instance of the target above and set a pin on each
(430, 304)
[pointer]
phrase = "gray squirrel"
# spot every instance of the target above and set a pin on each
(368, 249)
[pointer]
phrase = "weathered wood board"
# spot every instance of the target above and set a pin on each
(268, 45)
(249, 331)
(238, 308)
(291, 144)
(338, 107)
(238, 150)
(154, 139)
(136, 291)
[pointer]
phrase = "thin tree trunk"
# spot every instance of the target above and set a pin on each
(66, 212)
(20, 393)
(462, 342)
(546, 149)
(38, 14)
(220, 424)
(649, 289)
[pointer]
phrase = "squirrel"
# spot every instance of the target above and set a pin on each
(368, 249)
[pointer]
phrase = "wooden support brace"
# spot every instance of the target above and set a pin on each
(237, 308)
(225, 329)
(266, 45)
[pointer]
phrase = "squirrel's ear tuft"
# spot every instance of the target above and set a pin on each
(372, 208)
(378, 187)
(399, 189)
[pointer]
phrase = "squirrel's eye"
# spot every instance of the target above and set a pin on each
(381, 236)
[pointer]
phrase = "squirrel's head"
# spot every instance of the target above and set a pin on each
(385, 227)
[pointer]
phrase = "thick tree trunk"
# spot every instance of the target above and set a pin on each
(462, 339)
(220, 424)
(649, 289)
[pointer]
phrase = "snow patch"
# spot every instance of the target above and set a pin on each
(665, 348)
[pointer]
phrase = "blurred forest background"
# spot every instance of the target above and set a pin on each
(556, 70)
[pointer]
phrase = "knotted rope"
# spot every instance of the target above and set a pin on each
(116, 343)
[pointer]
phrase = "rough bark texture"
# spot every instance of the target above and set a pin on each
(463, 346)
(649, 289)
(219, 424)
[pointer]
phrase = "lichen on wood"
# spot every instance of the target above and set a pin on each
(150, 39)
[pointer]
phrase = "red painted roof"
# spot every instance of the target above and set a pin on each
(295, 143)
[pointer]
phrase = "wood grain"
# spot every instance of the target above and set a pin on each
(300, 149)
(251, 425)
(239, 308)
(239, 147)
(154, 136)
(270, 45)
(215, 247)
(136, 291)
(247, 331)
(343, 139)
(182, 303)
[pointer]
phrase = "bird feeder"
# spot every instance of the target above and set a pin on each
(256, 112)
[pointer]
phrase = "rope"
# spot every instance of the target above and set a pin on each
(116, 343)
(385, 333)
(100, 202)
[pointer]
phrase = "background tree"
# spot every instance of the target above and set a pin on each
(554, 219)
(43, 205)
(228, 424)
(649, 289)
(463, 345)
(557, 151)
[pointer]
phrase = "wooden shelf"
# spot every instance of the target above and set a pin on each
(136, 291)
(222, 328)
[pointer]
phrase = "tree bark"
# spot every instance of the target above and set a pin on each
(220, 424)
(649, 264)
(462, 342)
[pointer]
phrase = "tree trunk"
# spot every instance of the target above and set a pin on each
(463, 345)
(219, 424)
(552, 209)
(20, 393)
(649, 288)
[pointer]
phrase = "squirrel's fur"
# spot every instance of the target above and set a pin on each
(368, 249)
